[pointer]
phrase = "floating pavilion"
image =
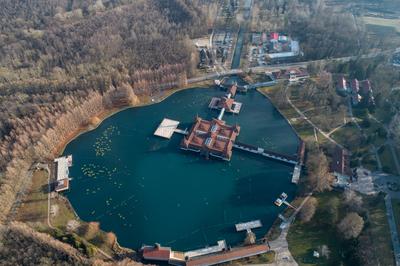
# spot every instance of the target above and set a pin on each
(211, 138)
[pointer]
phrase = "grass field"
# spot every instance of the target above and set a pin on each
(396, 210)
(302, 127)
(34, 211)
(393, 23)
(388, 164)
(303, 238)
(350, 137)
(377, 230)
(34, 207)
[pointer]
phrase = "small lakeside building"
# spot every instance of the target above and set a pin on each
(62, 172)
(228, 104)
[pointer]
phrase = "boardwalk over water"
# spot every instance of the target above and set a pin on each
(248, 226)
(266, 153)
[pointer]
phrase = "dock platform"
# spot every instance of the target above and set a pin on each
(221, 246)
(296, 174)
(167, 128)
(248, 226)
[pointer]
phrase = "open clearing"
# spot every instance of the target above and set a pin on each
(384, 22)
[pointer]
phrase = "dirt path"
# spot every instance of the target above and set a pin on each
(303, 116)
(283, 257)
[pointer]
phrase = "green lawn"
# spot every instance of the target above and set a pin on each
(377, 230)
(303, 239)
(303, 128)
(383, 22)
(350, 137)
(34, 206)
(396, 210)
(388, 164)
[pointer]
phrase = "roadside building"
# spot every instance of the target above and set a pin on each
(340, 167)
(342, 84)
(298, 74)
(355, 88)
(367, 93)
(274, 36)
(361, 92)
(293, 75)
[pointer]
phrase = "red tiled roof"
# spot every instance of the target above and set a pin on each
(232, 90)
(341, 162)
(226, 256)
(220, 137)
(156, 253)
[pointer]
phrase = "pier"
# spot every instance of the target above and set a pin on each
(266, 153)
(248, 226)
(296, 174)
(168, 127)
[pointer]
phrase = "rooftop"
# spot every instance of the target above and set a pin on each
(341, 162)
(211, 138)
(156, 252)
(233, 254)
(62, 164)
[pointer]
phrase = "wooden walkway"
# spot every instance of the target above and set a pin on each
(248, 226)
(269, 154)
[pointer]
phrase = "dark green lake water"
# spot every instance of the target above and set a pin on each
(146, 190)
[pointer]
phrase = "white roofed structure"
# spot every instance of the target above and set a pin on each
(62, 172)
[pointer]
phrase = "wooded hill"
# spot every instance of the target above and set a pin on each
(62, 63)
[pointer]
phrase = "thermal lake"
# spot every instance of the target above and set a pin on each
(146, 190)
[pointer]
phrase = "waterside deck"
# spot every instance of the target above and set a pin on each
(248, 226)
(167, 128)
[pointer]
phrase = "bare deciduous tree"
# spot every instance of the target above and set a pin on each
(351, 225)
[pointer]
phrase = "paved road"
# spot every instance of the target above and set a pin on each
(283, 257)
(393, 230)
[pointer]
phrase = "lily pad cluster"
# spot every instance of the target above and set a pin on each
(95, 171)
(103, 143)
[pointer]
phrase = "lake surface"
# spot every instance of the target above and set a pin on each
(147, 190)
